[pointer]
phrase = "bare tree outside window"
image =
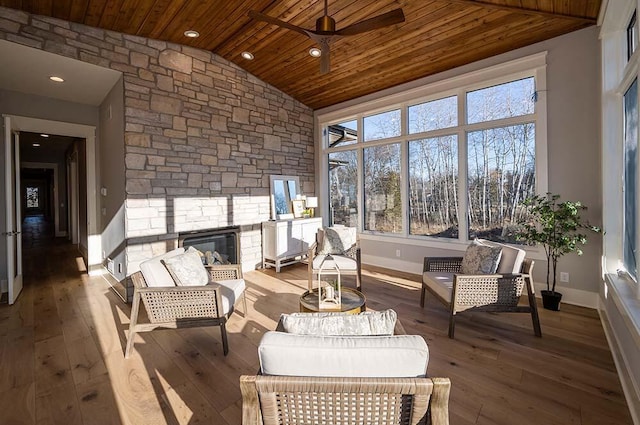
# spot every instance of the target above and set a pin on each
(382, 196)
(512, 99)
(343, 188)
(33, 199)
(382, 126)
(433, 115)
(433, 187)
(501, 174)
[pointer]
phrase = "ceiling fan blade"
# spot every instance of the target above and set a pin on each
(325, 60)
(390, 18)
(266, 18)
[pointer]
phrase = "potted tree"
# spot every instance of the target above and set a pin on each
(558, 227)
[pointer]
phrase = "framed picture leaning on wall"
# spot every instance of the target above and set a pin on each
(298, 207)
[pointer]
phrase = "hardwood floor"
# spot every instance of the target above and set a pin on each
(62, 355)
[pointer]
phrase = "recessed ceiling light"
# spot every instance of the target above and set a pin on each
(247, 55)
(35, 145)
(191, 33)
(315, 52)
(44, 135)
(56, 79)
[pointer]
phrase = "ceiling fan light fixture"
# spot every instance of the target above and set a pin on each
(326, 33)
(191, 33)
(247, 55)
(315, 52)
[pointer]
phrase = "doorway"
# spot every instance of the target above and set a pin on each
(88, 246)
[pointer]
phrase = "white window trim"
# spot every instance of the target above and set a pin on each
(533, 65)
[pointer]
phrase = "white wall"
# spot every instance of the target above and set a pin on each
(573, 144)
(112, 179)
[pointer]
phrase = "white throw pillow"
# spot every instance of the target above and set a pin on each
(187, 269)
(337, 324)
(337, 240)
(481, 259)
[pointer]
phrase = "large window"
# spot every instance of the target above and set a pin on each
(632, 35)
(343, 188)
(383, 204)
(630, 178)
(433, 187)
(450, 165)
(500, 160)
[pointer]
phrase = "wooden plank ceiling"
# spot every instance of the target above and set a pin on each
(437, 35)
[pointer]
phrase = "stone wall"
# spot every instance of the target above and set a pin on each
(202, 136)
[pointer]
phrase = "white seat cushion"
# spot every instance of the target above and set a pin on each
(511, 260)
(286, 354)
(230, 291)
(440, 282)
(343, 263)
(155, 273)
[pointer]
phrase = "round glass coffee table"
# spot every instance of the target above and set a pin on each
(352, 302)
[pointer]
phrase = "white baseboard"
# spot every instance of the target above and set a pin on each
(392, 264)
(572, 296)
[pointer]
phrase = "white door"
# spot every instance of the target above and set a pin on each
(13, 217)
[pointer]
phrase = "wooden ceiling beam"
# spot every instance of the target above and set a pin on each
(522, 10)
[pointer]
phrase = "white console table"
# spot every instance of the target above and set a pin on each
(287, 241)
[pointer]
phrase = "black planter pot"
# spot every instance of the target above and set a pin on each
(551, 300)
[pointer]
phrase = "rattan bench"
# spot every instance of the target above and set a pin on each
(493, 292)
(295, 400)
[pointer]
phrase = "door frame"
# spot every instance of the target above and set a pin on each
(91, 247)
(13, 199)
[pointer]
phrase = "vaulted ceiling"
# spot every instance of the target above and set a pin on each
(436, 35)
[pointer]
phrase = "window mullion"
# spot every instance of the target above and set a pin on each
(404, 170)
(463, 196)
(360, 174)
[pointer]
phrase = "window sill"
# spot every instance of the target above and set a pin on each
(535, 253)
(626, 296)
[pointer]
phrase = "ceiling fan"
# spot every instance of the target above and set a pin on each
(325, 32)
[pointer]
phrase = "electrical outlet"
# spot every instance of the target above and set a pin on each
(397, 252)
(564, 277)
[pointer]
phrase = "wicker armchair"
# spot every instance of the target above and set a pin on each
(175, 307)
(348, 263)
(272, 400)
(494, 292)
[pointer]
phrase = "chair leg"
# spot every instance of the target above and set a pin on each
(422, 296)
(359, 270)
(223, 332)
(135, 308)
(533, 306)
(452, 325)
